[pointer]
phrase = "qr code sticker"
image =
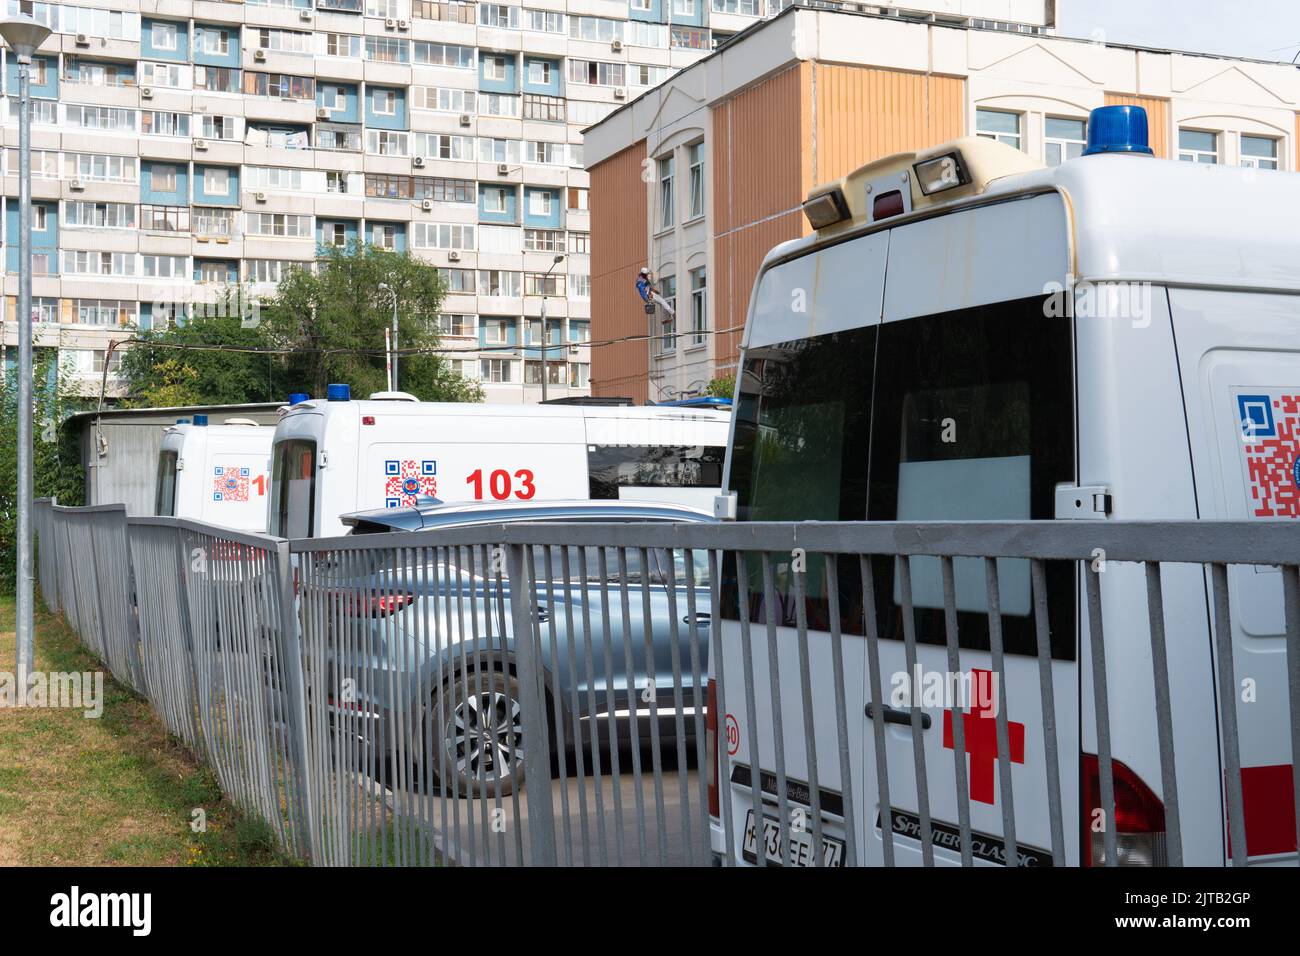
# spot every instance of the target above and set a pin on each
(1271, 441)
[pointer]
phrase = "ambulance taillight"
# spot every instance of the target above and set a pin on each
(1139, 818)
(711, 746)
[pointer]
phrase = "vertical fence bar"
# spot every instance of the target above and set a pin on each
(951, 641)
(1291, 603)
(1101, 706)
(841, 708)
(1164, 716)
(1047, 692)
(871, 629)
(810, 727)
(918, 745)
(1228, 714)
(1001, 728)
(537, 760)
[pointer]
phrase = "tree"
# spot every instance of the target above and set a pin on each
(331, 323)
(198, 361)
(321, 326)
(722, 387)
(56, 462)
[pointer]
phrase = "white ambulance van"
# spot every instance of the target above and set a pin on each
(336, 456)
(219, 474)
(1106, 324)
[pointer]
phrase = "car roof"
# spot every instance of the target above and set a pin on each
(442, 515)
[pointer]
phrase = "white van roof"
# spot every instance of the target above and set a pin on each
(1135, 218)
(390, 408)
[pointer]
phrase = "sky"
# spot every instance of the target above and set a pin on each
(1258, 29)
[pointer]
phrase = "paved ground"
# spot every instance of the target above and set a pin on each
(664, 831)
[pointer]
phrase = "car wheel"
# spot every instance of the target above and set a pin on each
(482, 734)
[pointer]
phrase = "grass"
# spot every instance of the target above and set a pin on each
(118, 790)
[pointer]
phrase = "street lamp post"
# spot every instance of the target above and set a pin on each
(393, 353)
(23, 36)
(546, 348)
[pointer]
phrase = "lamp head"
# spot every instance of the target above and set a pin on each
(23, 35)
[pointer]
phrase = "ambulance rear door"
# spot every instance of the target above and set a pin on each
(235, 480)
(1239, 355)
(973, 419)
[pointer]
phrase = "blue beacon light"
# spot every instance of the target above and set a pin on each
(1118, 129)
(337, 392)
(297, 398)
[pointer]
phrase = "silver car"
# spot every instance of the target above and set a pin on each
(437, 672)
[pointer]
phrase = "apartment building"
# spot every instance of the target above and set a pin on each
(185, 146)
(700, 177)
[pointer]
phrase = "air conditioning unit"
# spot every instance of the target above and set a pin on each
(464, 119)
(503, 169)
(620, 92)
(616, 45)
(426, 205)
(453, 256)
(390, 24)
(403, 24)
(259, 55)
(146, 92)
(260, 197)
(573, 350)
(322, 113)
(200, 144)
(82, 40)
(417, 162)
(77, 186)
(304, 15)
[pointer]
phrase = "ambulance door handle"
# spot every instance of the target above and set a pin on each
(899, 715)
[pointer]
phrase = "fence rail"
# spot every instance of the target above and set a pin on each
(536, 694)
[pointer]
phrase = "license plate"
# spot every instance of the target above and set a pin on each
(801, 845)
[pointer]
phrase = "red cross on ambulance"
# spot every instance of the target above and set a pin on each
(980, 730)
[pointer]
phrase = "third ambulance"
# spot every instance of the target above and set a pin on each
(217, 474)
(964, 334)
(337, 456)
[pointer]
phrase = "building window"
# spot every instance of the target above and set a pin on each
(547, 109)
(216, 182)
(999, 125)
(496, 331)
(1198, 146)
(494, 200)
(385, 102)
(163, 179)
(668, 324)
(1259, 152)
(541, 202)
(540, 72)
(494, 68)
(699, 306)
(578, 199)
(163, 36)
(1063, 139)
(495, 370)
(683, 8)
(580, 243)
(666, 193)
(641, 6)
(695, 152)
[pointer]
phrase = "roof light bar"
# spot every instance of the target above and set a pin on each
(826, 209)
(941, 173)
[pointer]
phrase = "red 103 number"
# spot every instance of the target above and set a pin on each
(500, 484)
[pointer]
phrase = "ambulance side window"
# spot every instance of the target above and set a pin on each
(610, 467)
(974, 421)
(293, 489)
(165, 496)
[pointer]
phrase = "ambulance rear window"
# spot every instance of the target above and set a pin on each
(965, 415)
(165, 493)
(293, 489)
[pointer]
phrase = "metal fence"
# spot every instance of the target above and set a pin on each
(535, 694)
